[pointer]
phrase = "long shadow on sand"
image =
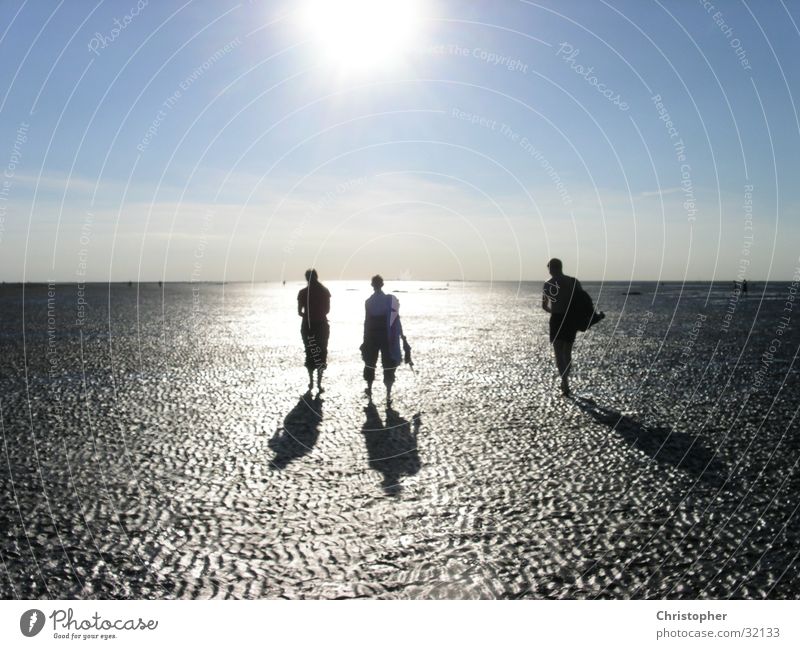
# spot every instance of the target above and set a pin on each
(680, 450)
(392, 448)
(299, 432)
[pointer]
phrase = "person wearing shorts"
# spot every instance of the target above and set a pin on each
(380, 311)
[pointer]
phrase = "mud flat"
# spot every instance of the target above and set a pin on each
(161, 446)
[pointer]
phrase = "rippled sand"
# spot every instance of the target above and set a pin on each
(166, 449)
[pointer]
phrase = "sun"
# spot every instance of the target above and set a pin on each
(362, 35)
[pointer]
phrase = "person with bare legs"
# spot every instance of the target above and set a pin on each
(313, 305)
(382, 334)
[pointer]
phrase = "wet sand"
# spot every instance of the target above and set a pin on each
(165, 448)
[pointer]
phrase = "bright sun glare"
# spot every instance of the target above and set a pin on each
(358, 35)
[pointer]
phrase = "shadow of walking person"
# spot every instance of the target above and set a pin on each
(299, 432)
(392, 448)
(680, 450)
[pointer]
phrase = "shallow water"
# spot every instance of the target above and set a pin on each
(164, 447)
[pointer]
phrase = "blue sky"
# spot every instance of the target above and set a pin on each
(217, 140)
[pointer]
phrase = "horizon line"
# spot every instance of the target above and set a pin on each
(366, 281)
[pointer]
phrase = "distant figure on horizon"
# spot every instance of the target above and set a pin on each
(382, 334)
(571, 310)
(744, 287)
(313, 305)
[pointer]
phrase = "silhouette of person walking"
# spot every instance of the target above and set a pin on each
(313, 305)
(382, 333)
(556, 300)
